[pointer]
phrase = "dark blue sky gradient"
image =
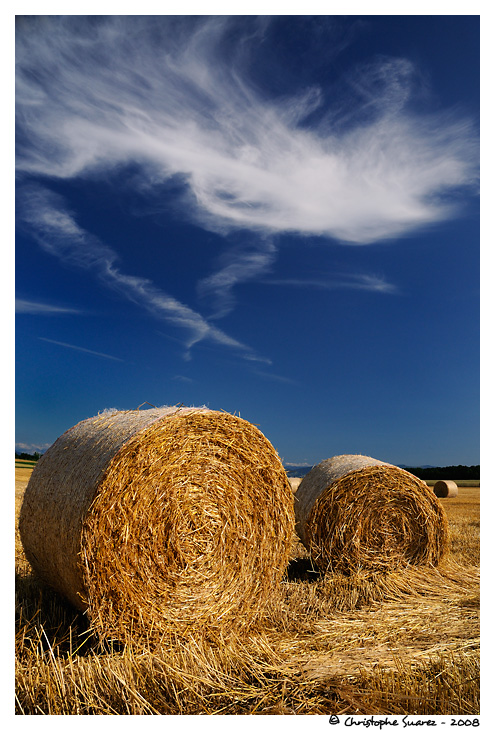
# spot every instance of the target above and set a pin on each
(276, 217)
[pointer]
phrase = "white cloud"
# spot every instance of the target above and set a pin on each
(175, 97)
(366, 282)
(170, 96)
(31, 448)
(58, 233)
(273, 376)
(237, 265)
(183, 379)
(80, 349)
(24, 306)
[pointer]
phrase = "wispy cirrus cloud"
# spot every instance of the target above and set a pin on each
(365, 282)
(239, 264)
(58, 233)
(266, 375)
(25, 306)
(176, 97)
(183, 379)
(80, 349)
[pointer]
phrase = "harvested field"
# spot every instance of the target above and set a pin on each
(416, 655)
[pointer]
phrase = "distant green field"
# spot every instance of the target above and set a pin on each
(459, 482)
(24, 464)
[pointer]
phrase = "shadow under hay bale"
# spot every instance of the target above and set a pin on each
(355, 513)
(445, 489)
(302, 569)
(161, 521)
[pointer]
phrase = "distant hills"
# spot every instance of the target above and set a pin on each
(423, 466)
(299, 471)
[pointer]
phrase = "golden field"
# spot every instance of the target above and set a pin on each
(326, 646)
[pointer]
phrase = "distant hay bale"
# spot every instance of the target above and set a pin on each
(294, 483)
(445, 488)
(357, 513)
(162, 520)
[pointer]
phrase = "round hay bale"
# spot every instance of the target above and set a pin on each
(294, 483)
(163, 520)
(354, 512)
(445, 488)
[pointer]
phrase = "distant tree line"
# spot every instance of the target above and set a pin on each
(431, 472)
(459, 472)
(27, 457)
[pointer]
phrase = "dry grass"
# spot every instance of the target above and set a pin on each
(463, 514)
(418, 655)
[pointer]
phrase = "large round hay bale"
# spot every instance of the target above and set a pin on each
(354, 512)
(445, 488)
(162, 520)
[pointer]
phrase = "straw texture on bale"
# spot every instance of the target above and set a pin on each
(445, 488)
(163, 520)
(357, 513)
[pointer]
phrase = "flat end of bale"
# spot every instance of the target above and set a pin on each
(208, 516)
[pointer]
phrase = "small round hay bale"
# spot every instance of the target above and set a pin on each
(354, 512)
(445, 488)
(294, 483)
(160, 521)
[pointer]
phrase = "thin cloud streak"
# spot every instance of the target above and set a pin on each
(24, 306)
(273, 376)
(183, 379)
(81, 349)
(366, 282)
(174, 97)
(237, 265)
(58, 233)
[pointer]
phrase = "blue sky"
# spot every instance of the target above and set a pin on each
(272, 216)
